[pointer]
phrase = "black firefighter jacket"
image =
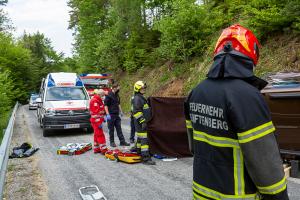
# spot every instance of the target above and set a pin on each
(141, 112)
(235, 151)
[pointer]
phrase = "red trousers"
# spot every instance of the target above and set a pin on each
(99, 137)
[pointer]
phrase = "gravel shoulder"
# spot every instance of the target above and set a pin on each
(23, 178)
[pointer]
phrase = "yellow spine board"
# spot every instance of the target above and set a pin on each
(131, 159)
(110, 156)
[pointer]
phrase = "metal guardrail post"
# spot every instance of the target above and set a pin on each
(4, 149)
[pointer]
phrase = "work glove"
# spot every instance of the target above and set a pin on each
(108, 117)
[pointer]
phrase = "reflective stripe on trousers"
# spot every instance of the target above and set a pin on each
(142, 143)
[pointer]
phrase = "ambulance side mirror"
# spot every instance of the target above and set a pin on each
(39, 100)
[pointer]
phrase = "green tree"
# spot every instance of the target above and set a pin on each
(44, 58)
(88, 19)
(7, 92)
(112, 34)
(132, 34)
(17, 60)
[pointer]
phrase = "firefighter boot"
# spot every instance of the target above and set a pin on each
(148, 161)
(135, 150)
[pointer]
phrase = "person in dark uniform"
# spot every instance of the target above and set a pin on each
(113, 109)
(230, 130)
(141, 114)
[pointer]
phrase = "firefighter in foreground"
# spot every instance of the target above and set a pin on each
(142, 114)
(229, 127)
(97, 112)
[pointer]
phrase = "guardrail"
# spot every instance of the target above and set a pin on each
(4, 148)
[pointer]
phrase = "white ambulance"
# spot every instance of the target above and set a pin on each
(63, 103)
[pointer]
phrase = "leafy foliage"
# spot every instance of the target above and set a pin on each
(17, 61)
(7, 91)
(133, 34)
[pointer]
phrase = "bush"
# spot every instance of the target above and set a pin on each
(187, 32)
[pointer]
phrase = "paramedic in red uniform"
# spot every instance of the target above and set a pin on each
(97, 112)
(231, 133)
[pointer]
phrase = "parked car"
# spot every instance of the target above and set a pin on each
(32, 102)
(63, 103)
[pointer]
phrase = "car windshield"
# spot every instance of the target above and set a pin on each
(34, 97)
(65, 93)
(91, 86)
(95, 86)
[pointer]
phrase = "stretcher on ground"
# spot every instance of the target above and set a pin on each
(126, 156)
(74, 149)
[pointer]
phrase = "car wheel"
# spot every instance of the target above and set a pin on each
(90, 130)
(41, 123)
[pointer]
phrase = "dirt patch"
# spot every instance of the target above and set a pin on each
(172, 89)
(23, 177)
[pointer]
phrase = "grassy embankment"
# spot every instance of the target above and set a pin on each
(278, 54)
(3, 123)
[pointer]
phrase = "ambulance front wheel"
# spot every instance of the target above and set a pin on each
(90, 130)
(46, 132)
(41, 122)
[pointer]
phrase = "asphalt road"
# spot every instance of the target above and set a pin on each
(64, 175)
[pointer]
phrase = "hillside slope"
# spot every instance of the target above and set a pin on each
(279, 53)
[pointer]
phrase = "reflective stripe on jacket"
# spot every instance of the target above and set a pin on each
(141, 111)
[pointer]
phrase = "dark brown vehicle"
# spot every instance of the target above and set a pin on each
(284, 104)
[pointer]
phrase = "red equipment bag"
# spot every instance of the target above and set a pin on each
(74, 149)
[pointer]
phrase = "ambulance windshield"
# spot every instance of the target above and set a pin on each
(65, 93)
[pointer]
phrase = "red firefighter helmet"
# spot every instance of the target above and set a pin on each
(242, 40)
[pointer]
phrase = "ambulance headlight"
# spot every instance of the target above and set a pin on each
(50, 112)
